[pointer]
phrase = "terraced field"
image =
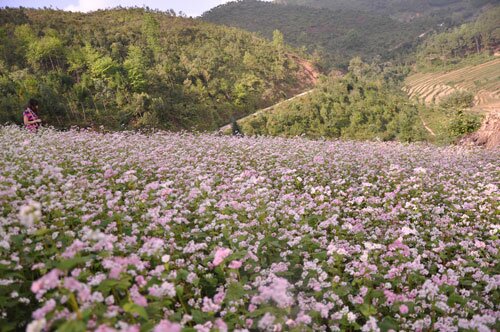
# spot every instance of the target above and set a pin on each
(483, 80)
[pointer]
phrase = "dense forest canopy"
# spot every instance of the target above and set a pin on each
(136, 67)
(334, 36)
(367, 103)
(479, 38)
(404, 10)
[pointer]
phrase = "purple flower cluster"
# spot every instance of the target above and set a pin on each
(171, 231)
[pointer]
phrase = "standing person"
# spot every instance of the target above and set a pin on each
(30, 116)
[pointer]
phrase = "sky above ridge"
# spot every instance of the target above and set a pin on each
(189, 7)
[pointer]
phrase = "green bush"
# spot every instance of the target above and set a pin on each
(463, 123)
(458, 100)
(362, 105)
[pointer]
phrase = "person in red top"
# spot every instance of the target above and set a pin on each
(30, 116)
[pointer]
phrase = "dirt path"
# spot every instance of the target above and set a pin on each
(426, 127)
(228, 126)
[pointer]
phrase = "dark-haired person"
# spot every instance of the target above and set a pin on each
(30, 116)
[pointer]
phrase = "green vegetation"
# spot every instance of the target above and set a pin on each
(458, 99)
(471, 43)
(458, 77)
(133, 68)
(461, 121)
(367, 103)
(333, 36)
(454, 11)
(452, 118)
(139, 68)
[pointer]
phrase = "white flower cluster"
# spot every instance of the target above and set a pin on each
(30, 214)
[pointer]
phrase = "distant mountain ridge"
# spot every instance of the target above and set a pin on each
(404, 10)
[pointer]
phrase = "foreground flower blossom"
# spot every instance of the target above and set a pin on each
(30, 214)
(220, 255)
(167, 326)
(235, 264)
(36, 325)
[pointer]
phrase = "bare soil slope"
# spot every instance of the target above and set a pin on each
(489, 133)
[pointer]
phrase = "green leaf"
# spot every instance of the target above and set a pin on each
(388, 323)
(367, 310)
(235, 291)
(87, 314)
(342, 291)
(455, 298)
(466, 282)
(72, 326)
(198, 316)
(320, 255)
(376, 294)
(133, 308)
(149, 326)
(17, 240)
(262, 310)
(7, 327)
(107, 285)
(68, 264)
(179, 290)
(176, 316)
(42, 231)
(182, 274)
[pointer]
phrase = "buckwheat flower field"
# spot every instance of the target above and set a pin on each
(190, 232)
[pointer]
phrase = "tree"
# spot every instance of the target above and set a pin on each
(131, 67)
(278, 39)
(135, 65)
(151, 30)
(46, 53)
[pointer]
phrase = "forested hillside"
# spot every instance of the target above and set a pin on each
(471, 42)
(366, 103)
(404, 10)
(334, 36)
(130, 68)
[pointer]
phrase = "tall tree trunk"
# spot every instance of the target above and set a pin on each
(51, 62)
(478, 46)
(84, 115)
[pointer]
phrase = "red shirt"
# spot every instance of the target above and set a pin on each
(32, 116)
